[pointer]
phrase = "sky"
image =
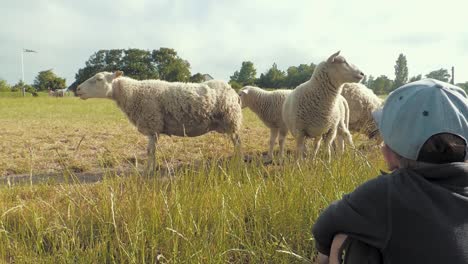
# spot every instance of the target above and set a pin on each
(215, 36)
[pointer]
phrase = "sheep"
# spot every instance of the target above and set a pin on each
(158, 107)
(267, 106)
(312, 109)
(362, 102)
(59, 93)
(343, 125)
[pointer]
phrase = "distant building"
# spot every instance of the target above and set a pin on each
(207, 77)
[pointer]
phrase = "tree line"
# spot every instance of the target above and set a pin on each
(165, 64)
(275, 78)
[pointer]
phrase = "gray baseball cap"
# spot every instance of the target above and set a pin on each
(418, 110)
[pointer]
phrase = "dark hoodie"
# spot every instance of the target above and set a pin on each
(411, 215)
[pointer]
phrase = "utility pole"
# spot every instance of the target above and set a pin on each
(23, 89)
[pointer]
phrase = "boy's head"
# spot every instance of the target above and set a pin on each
(425, 121)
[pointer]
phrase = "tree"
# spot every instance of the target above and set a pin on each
(364, 80)
(48, 80)
(464, 86)
(4, 86)
(246, 75)
(297, 75)
(197, 78)
(441, 75)
(415, 78)
(20, 85)
(170, 66)
(273, 78)
(401, 71)
(370, 81)
(382, 85)
(135, 63)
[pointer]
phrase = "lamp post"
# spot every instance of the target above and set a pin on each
(22, 68)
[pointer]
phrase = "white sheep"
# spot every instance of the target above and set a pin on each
(267, 106)
(312, 110)
(343, 125)
(158, 107)
(362, 102)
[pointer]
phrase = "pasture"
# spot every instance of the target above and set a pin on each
(204, 206)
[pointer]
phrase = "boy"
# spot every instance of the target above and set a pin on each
(419, 212)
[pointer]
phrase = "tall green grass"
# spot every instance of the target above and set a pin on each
(215, 212)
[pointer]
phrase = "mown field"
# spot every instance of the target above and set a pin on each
(204, 206)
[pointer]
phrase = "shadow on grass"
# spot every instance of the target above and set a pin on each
(164, 170)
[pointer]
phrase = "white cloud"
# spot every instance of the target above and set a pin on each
(216, 36)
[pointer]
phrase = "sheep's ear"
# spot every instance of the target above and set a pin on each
(332, 57)
(243, 92)
(118, 74)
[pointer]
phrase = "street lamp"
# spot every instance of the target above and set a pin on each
(22, 67)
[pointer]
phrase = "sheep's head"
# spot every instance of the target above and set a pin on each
(243, 96)
(343, 71)
(98, 86)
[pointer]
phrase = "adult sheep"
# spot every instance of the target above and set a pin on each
(267, 106)
(362, 102)
(158, 107)
(312, 110)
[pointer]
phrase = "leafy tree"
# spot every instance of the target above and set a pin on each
(464, 86)
(135, 63)
(415, 78)
(197, 78)
(297, 75)
(102, 60)
(246, 75)
(364, 80)
(234, 77)
(382, 85)
(370, 81)
(441, 75)
(18, 86)
(170, 66)
(273, 78)
(401, 71)
(235, 85)
(4, 86)
(48, 80)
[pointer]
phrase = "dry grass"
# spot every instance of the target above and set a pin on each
(48, 134)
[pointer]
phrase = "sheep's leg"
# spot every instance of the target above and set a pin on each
(348, 138)
(344, 133)
(282, 137)
(300, 146)
(328, 140)
(151, 151)
(339, 144)
(273, 135)
(235, 138)
(317, 142)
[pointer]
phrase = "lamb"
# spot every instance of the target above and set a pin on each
(362, 102)
(312, 110)
(158, 107)
(267, 106)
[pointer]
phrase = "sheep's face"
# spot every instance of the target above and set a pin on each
(343, 71)
(98, 86)
(242, 96)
